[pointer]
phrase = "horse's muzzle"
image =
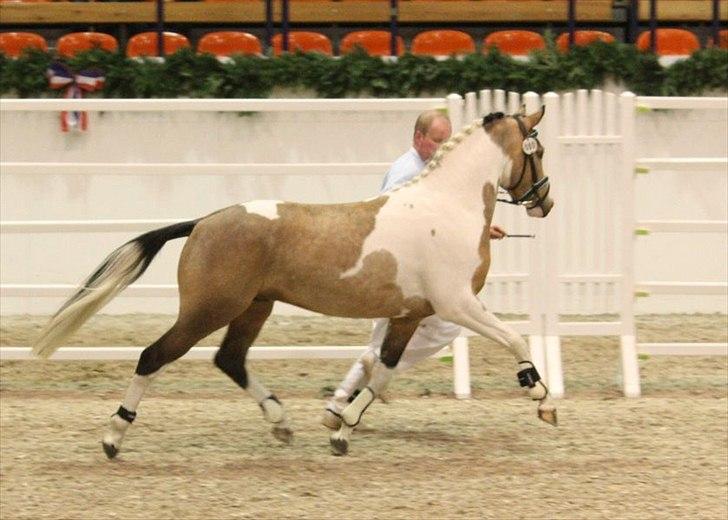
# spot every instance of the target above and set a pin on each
(542, 209)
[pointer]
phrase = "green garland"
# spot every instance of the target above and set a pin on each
(186, 74)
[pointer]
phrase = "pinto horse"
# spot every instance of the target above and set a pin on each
(419, 249)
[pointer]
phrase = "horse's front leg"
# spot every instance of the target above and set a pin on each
(471, 313)
(399, 332)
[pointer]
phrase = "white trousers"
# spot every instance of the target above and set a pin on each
(430, 337)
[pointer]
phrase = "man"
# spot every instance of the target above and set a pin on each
(432, 128)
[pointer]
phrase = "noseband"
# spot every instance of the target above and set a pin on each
(532, 196)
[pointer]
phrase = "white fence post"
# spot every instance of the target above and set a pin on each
(514, 102)
(630, 367)
(537, 309)
(499, 100)
(485, 102)
(470, 112)
(455, 111)
(550, 298)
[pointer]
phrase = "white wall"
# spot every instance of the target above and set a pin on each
(298, 137)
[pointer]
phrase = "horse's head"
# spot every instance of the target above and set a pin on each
(523, 177)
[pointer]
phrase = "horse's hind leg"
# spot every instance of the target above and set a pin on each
(172, 345)
(399, 332)
(230, 358)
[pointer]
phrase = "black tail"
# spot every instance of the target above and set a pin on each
(120, 269)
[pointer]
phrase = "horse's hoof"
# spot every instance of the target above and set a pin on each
(110, 450)
(548, 416)
(283, 434)
(339, 446)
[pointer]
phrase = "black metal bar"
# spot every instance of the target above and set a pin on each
(653, 25)
(284, 24)
(268, 23)
(633, 21)
(716, 24)
(572, 22)
(160, 28)
(393, 26)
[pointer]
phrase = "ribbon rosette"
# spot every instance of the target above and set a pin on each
(60, 76)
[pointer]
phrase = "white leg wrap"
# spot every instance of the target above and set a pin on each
(352, 413)
(135, 392)
(380, 378)
(133, 396)
(256, 390)
(272, 410)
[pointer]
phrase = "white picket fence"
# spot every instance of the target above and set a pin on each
(589, 138)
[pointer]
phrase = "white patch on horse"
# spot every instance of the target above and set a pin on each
(430, 265)
(264, 208)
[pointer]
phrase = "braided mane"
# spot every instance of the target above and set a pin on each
(436, 160)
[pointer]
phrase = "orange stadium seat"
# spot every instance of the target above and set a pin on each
(227, 43)
(670, 42)
(304, 41)
(145, 44)
(443, 42)
(376, 43)
(583, 38)
(71, 44)
(515, 43)
(13, 44)
(723, 39)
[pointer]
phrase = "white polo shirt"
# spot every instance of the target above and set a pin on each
(403, 169)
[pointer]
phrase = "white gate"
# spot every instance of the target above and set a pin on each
(586, 245)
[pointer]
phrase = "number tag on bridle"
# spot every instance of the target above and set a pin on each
(530, 145)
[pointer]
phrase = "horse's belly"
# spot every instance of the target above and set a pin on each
(374, 291)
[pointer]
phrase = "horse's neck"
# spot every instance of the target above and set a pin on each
(465, 171)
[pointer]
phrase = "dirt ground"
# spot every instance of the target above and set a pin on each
(200, 449)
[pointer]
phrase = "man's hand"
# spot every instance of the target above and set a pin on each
(497, 232)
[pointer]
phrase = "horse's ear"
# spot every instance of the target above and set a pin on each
(535, 118)
(522, 110)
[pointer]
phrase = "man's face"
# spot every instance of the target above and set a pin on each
(427, 143)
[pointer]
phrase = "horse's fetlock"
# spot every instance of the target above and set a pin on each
(273, 410)
(538, 392)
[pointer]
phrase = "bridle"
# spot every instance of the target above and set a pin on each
(531, 199)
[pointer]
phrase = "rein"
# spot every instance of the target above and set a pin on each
(529, 147)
